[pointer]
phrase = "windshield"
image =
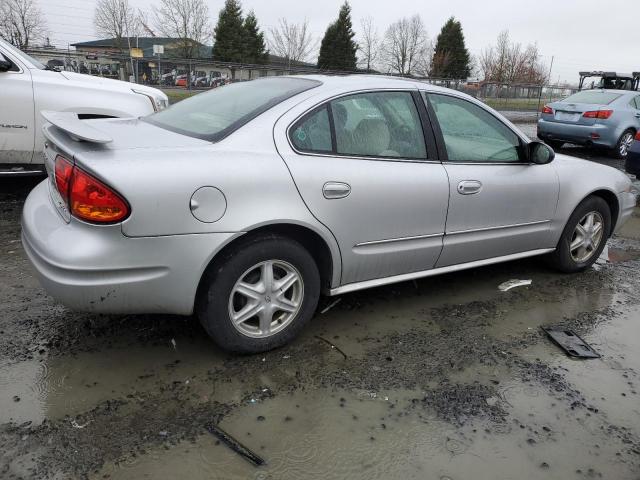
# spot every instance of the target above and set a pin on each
(23, 56)
(216, 114)
(591, 96)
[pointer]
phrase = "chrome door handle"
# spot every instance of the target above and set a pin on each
(469, 187)
(332, 190)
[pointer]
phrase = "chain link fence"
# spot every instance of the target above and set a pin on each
(180, 78)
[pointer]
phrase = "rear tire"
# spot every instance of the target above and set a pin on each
(621, 150)
(582, 240)
(260, 295)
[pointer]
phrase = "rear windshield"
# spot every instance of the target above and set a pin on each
(592, 96)
(215, 114)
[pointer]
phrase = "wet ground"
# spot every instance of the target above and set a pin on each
(443, 378)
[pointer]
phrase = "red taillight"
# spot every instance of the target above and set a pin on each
(638, 136)
(601, 114)
(547, 109)
(87, 197)
(63, 173)
(92, 200)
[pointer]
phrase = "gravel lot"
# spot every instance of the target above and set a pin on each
(443, 378)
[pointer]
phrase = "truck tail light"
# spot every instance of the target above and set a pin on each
(547, 109)
(87, 197)
(600, 114)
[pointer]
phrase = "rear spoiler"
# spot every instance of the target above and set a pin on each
(76, 128)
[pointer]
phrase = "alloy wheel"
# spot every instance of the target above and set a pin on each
(266, 298)
(587, 237)
(625, 144)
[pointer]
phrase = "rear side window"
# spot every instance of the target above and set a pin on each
(215, 114)
(313, 132)
(374, 124)
(378, 124)
(592, 96)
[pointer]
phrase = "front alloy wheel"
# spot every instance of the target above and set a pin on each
(587, 237)
(584, 236)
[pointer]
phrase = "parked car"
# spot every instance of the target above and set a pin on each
(244, 203)
(632, 164)
(27, 87)
(181, 80)
(602, 118)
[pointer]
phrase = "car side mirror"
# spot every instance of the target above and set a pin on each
(540, 153)
(5, 65)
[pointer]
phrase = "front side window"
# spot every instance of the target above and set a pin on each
(215, 114)
(378, 124)
(471, 134)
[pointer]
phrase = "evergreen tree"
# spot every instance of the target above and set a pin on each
(451, 58)
(338, 49)
(255, 51)
(230, 35)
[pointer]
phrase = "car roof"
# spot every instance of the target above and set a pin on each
(365, 81)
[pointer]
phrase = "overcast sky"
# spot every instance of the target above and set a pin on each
(579, 34)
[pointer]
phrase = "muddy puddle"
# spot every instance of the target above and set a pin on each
(445, 378)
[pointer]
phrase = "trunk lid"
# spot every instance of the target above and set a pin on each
(573, 113)
(99, 145)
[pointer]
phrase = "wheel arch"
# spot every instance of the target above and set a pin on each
(326, 258)
(612, 201)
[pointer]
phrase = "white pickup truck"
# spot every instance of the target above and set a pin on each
(28, 87)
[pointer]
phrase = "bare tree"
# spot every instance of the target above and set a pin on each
(292, 41)
(406, 47)
(509, 62)
(369, 44)
(116, 19)
(21, 22)
(186, 20)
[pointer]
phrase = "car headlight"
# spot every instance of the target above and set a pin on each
(157, 101)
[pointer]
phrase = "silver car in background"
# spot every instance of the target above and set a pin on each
(601, 118)
(245, 203)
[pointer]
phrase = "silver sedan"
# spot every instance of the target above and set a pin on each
(245, 203)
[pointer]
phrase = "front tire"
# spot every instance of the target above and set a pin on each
(583, 237)
(260, 295)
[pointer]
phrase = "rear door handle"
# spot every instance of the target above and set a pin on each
(469, 187)
(333, 190)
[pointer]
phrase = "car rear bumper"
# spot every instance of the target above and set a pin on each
(98, 269)
(597, 134)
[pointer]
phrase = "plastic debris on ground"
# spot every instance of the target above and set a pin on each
(508, 285)
(330, 306)
(570, 342)
(234, 445)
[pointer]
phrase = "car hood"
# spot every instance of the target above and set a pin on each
(109, 83)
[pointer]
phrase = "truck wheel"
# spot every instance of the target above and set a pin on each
(260, 295)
